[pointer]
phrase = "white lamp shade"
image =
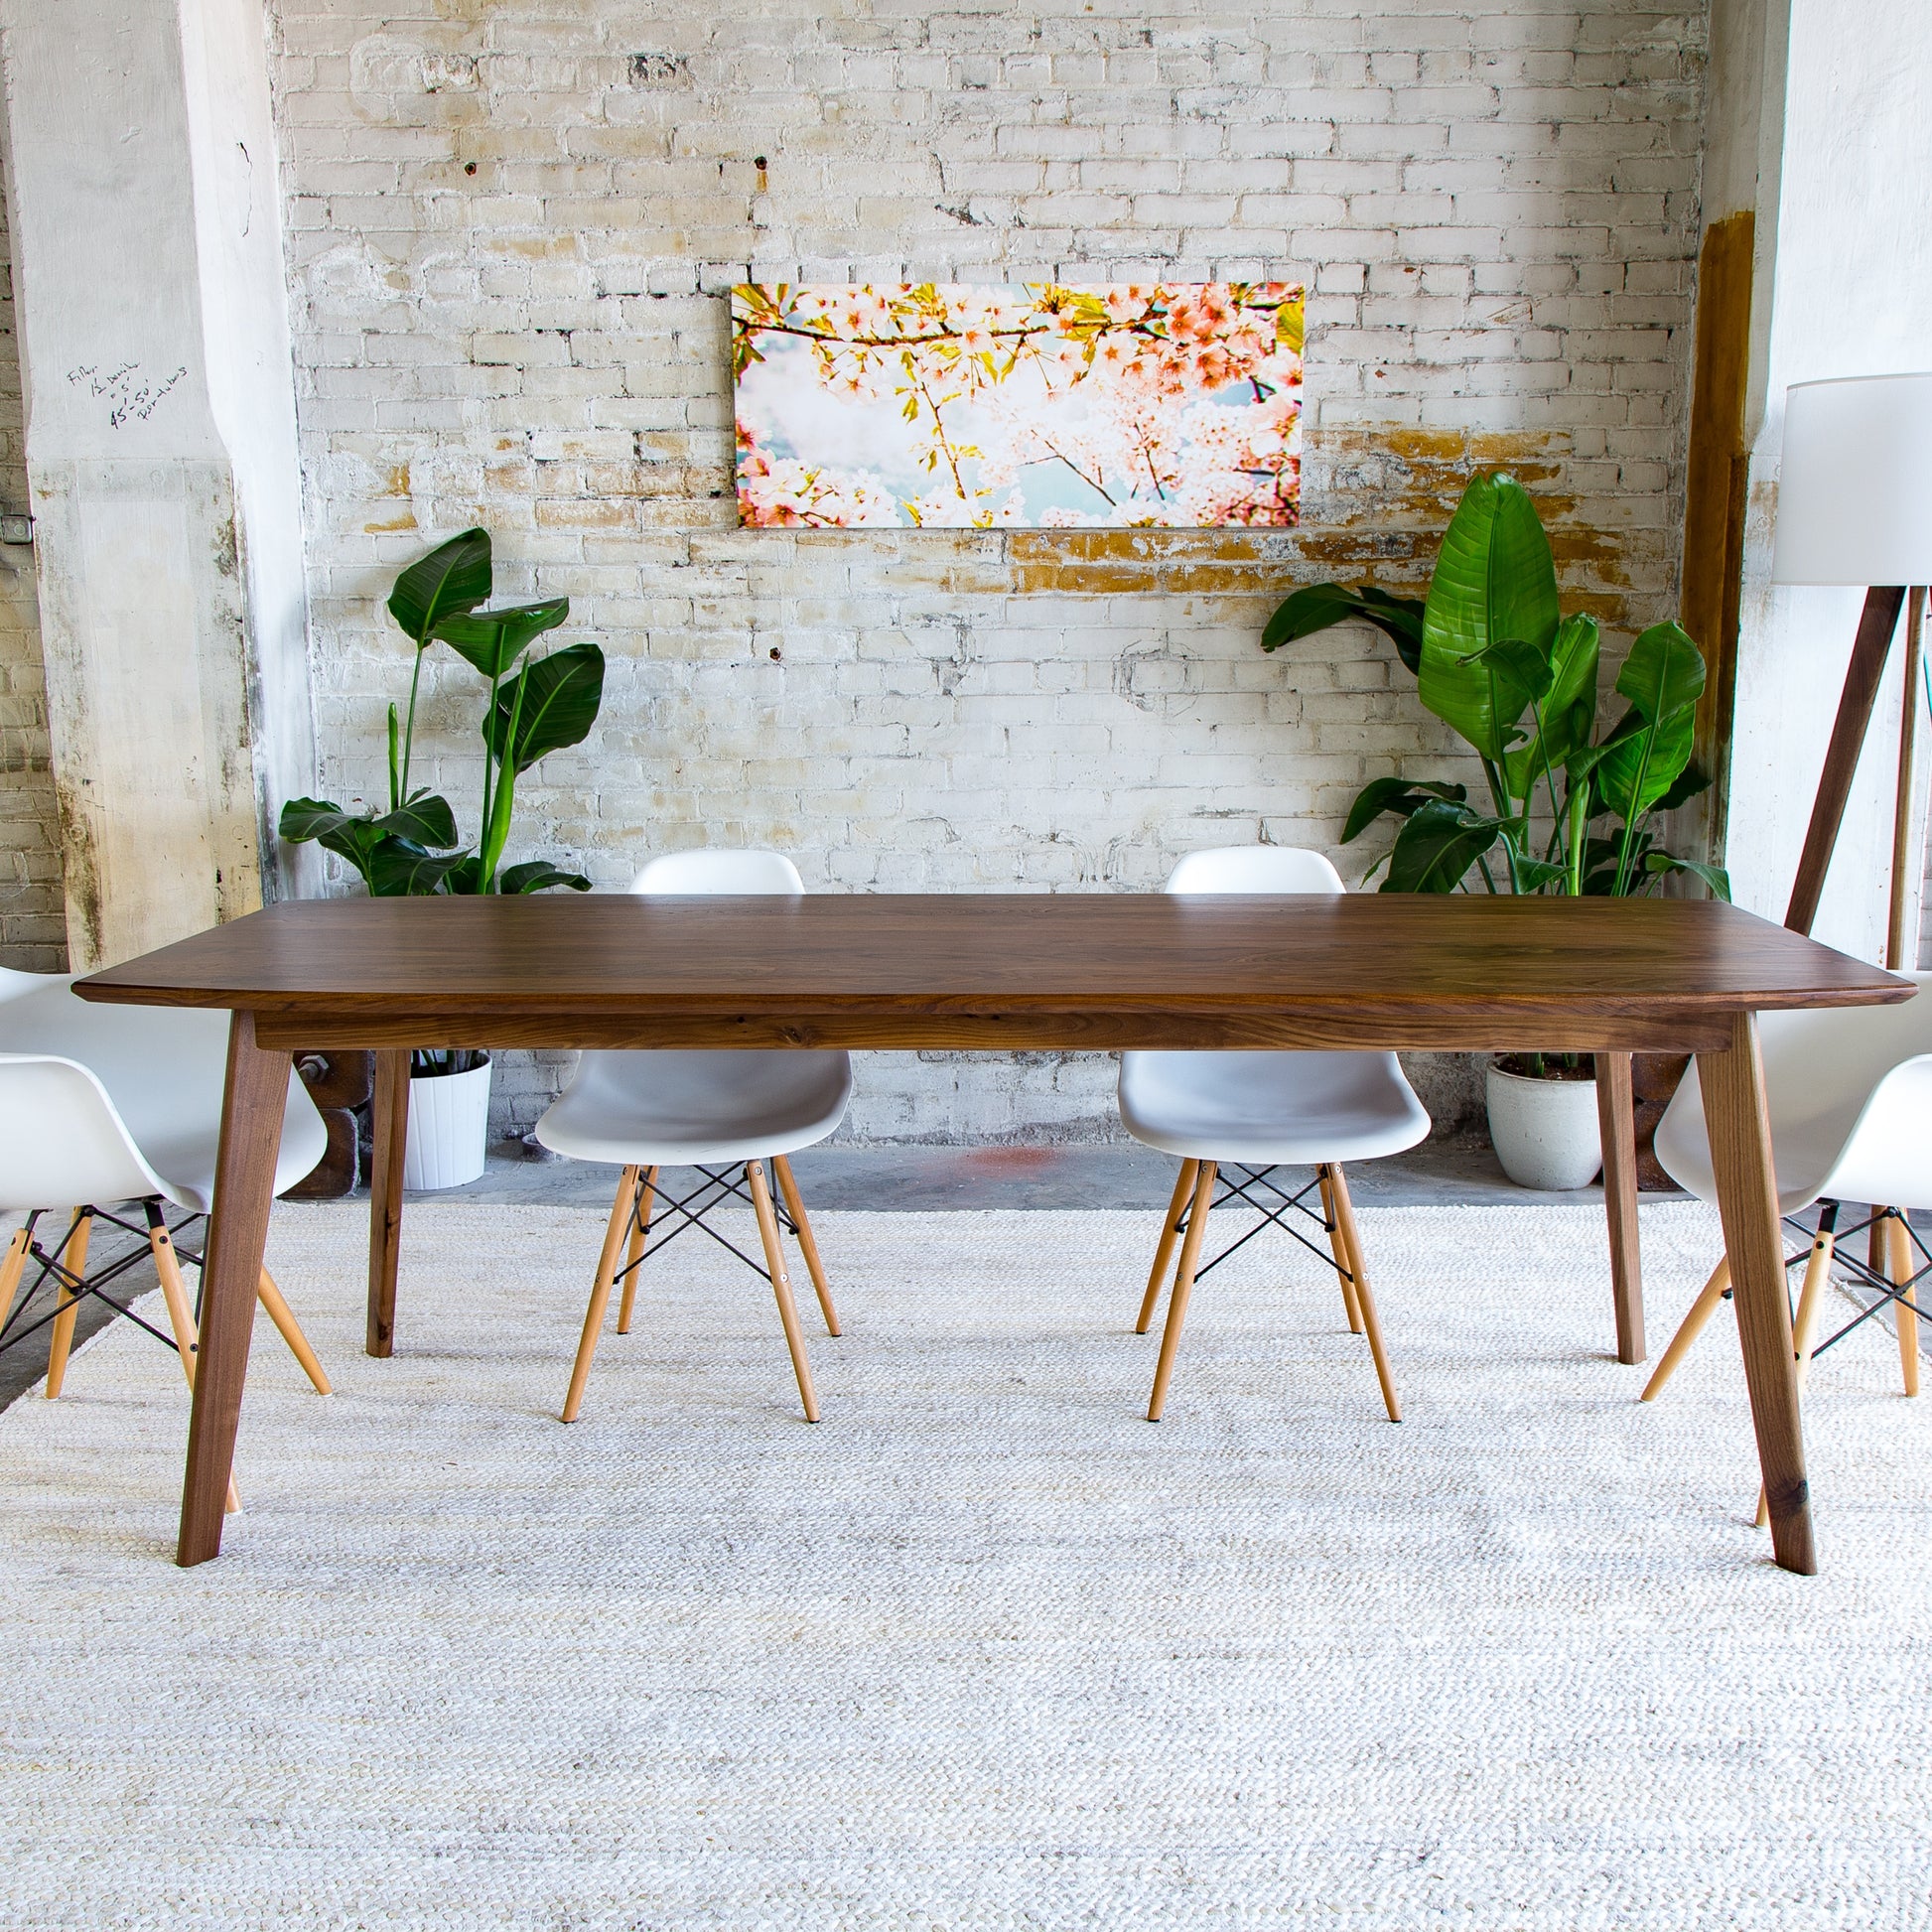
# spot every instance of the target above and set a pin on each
(1854, 489)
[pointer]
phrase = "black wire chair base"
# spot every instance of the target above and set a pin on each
(716, 1186)
(1274, 1212)
(72, 1288)
(1901, 1294)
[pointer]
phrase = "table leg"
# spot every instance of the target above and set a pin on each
(1740, 1154)
(385, 1197)
(237, 1233)
(1617, 1122)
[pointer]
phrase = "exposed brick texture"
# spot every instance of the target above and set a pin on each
(512, 225)
(33, 913)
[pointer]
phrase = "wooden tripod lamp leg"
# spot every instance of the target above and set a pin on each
(1862, 680)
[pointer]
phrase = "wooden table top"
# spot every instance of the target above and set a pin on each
(999, 971)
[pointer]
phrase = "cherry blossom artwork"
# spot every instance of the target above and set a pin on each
(1136, 404)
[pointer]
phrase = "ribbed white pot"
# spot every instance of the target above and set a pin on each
(449, 1127)
(1545, 1132)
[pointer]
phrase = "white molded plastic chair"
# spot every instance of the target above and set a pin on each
(110, 1103)
(712, 1110)
(1849, 1092)
(1253, 1112)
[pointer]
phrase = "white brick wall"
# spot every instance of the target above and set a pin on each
(33, 913)
(511, 228)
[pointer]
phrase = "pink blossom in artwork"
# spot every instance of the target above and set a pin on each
(1157, 404)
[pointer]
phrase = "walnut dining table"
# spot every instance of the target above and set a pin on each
(996, 972)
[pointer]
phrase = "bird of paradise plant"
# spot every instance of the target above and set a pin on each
(1496, 658)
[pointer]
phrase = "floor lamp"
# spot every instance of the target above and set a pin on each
(1854, 506)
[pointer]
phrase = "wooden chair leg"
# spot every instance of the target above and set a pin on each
(1183, 1287)
(180, 1311)
(1898, 1271)
(290, 1329)
(775, 1259)
(1818, 1271)
(1692, 1326)
(13, 1267)
(1364, 1296)
(807, 1242)
(634, 1252)
(1183, 1188)
(606, 1269)
(74, 1258)
(1345, 1273)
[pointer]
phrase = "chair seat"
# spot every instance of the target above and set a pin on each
(1868, 1145)
(694, 1109)
(163, 1070)
(1258, 1108)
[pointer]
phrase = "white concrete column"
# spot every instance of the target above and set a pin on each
(1849, 294)
(160, 454)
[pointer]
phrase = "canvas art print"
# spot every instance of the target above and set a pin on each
(1151, 404)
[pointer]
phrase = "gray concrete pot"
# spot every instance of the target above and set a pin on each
(1545, 1132)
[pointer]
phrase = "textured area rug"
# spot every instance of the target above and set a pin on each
(984, 1648)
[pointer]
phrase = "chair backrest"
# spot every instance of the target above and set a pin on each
(61, 1142)
(710, 874)
(1849, 1094)
(1255, 869)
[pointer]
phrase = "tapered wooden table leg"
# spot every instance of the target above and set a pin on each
(244, 1190)
(1740, 1155)
(385, 1197)
(1616, 1121)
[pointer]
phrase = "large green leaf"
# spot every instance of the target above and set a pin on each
(399, 868)
(1436, 846)
(452, 578)
(1399, 795)
(1494, 579)
(1319, 605)
(1715, 876)
(1568, 707)
(350, 835)
(1641, 760)
(493, 641)
(548, 705)
(538, 876)
(425, 820)
(1664, 673)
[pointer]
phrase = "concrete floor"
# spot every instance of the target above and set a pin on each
(905, 1179)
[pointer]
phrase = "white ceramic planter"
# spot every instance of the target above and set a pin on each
(448, 1126)
(1545, 1131)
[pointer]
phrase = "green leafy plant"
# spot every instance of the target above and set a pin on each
(551, 702)
(1496, 658)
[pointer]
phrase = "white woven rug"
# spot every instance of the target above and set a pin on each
(985, 1648)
